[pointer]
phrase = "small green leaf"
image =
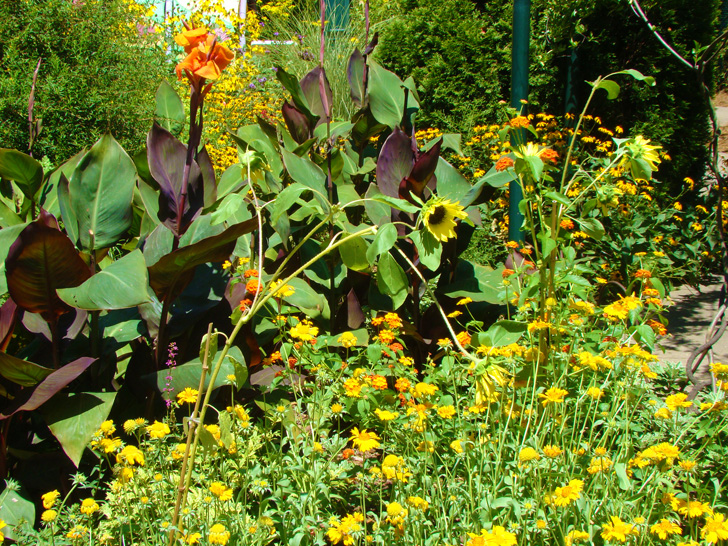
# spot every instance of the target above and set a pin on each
(637, 75)
(612, 88)
(384, 240)
(213, 348)
(14, 510)
(23, 169)
(592, 227)
(391, 278)
(502, 333)
(429, 249)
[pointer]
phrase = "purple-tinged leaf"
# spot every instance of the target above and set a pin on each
(167, 156)
(371, 45)
(46, 389)
(35, 324)
(208, 177)
(311, 87)
(173, 272)
(423, 170)
(297, 122)
(294, 88)
(395, 162)
(8, 316)
(325, 93)
(41, 260)
(355, 73)
(354, 314)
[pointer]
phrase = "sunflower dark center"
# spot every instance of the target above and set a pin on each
(438, 215)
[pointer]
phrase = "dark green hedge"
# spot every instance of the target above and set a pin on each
(97, 74)
(459, 53)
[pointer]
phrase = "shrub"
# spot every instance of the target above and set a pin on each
(460, 55)
(99, 70)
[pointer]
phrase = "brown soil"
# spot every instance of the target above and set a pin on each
(721, 99)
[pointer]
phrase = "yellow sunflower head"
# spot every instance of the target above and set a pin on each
(642, 157)
(439, 216)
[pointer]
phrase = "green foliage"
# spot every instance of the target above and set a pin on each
(460, 55)
(97, 74)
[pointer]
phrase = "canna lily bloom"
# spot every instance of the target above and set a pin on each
(206, 58)
(190, 39)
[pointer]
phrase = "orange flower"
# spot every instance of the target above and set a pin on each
(503, 163)
(190, 39)
(206, 58)
(252, 286)
(549, 155)
(642, 274)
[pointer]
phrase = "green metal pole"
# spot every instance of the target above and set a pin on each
(337, 15)
(519, 92)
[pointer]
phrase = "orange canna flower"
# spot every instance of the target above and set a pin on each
(190, 39)
(206, 59)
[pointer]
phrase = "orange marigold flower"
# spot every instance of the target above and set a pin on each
(642, 274)
(402, 384)
(566, 223)
(250, 273)
(520, 121)
(252, 286)
(393, 320)
(396, 347)
(503, 163)
(549, 155)
(464, 338)
(512, 245)
(507, 273)
(244, 304)
(386, 337)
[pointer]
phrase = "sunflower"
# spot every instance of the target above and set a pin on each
(440, 215)
(641, 157)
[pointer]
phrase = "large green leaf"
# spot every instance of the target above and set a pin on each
(101, 190)
(386, 96)
(173, 271)
(354, 254)
(306, 172)
(307, 299)
(450, 183)
(7, 238)
(169, 111)
(49, 193)
(73, 419)
(188, 374)
(120, 285)
(503, 332)
(475, 281)
(14, 510)
(23, 169)
(22, 372)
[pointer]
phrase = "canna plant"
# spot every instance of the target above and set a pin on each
(111, 258)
